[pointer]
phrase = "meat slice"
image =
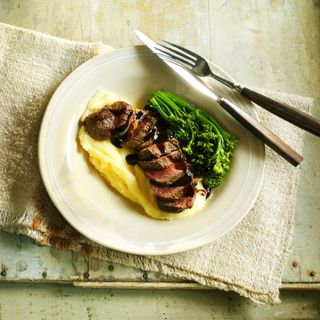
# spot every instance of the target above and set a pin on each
(177, 205)
(163, 162)
(168, 175)
(172, 192)
(124, 123)
(122, 118)
(159, 149)
(111, 119)
(139, 130)
(150, 138)
(100, 124)
(187, 178)
(119, 106)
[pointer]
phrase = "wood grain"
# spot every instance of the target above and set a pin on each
(65, 302)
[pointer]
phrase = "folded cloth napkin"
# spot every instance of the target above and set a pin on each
(249, 259)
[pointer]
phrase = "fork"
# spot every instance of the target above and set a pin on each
(200, 67)
(250, 123)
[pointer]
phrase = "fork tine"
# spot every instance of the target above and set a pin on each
(178, 52)
(175, 61)
(192, 54)
(173, 56)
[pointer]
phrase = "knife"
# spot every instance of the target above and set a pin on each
(254, 126)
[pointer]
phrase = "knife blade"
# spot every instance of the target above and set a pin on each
(254, 126)
(184, 74)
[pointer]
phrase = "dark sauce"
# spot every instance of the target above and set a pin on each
(117, 141)
(132, 158)
(151, 135)
(208, 192)
(207, 188)
(163, 134)
(190, 191)
(144, 156)
(139, 115)
(185, 179)
(148, 107)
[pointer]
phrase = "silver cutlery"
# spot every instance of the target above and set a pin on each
(199, 66)
(264, 134)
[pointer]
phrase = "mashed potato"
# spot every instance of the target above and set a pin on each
(129, 180)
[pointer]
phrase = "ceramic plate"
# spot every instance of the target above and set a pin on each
(98, 211)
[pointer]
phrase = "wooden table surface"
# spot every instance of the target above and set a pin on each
(270, 44)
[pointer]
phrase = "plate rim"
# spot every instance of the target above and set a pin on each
(45, 176)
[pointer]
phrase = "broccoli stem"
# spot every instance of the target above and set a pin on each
(157, 107)
(192, 108)
(160, 96)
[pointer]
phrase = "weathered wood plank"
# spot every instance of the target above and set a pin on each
(65, 302)
(177, 286)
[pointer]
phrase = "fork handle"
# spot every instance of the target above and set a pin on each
(264, 134)
(284, 111)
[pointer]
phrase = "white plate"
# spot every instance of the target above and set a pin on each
(99, 212)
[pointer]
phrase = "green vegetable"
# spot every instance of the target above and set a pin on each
(208, 147)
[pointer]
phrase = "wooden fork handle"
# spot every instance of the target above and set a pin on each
(264, 134)
(284, 111)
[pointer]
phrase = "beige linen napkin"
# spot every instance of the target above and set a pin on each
(249, 259)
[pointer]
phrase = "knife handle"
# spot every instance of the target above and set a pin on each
(264, 134)
(284, 111)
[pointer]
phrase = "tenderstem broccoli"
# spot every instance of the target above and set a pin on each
(208, 147)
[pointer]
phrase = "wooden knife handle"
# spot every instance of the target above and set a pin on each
(264, 134)
(284, 111)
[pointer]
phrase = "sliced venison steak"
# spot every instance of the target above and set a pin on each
(163, 162)
(176, 205)
(119, 106)
(112, 118)
(172, 192)
(168, 175)
(138, 132)
(159, 149)
(100, 124)
(125, 126)
(124, 118)
(187, 178)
